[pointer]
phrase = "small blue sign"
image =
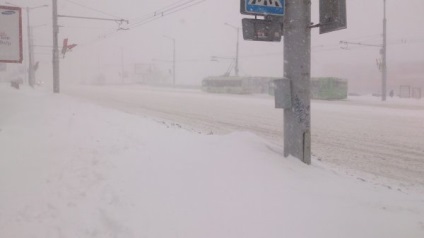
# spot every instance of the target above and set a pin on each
(265, 7)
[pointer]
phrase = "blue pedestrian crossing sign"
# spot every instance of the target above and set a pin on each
(262, 7)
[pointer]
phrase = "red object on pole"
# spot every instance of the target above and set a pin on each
(70, 47)
(65, 46)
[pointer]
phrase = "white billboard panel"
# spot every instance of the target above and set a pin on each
(10, 34)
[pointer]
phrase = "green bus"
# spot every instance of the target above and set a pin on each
(323, 88)
(329, 88)
(237, 85)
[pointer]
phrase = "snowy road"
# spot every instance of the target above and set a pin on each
(362, 134)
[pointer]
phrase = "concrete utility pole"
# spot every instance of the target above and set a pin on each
(122, 66)
(56, 73)
(31, 72)
(237, 52)
(56, 63)
(384, 56)
(237, 47)
(297, 68)
(383, 52)
(174, 60)
(30, 60)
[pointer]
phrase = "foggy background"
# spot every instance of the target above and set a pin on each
(200, 33)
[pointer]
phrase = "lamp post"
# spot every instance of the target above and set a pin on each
(55, 58)
(173, 60)
(30, 69)
(384, 56)
(237, 47)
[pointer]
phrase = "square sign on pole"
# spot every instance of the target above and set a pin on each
(262, 30)
(10, 35)
(262, 7)
(282, 92)
(332, 15)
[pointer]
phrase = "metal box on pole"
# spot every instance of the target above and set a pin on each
(293, 93)
(282, 93)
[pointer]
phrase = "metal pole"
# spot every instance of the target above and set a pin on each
(30, 63)
(297, 68)
(384, 56)
(237, 52)
(122, 65)
(34, 81)
(174, 62)
(56, 79)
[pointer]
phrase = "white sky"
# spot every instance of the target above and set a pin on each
(200, 33)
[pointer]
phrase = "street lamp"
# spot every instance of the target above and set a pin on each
(32, 67)
(31, 80)
(384, 56)
(173, 60)
(237, 46)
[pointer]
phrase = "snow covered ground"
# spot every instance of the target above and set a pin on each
(380, 140)
(69, 168)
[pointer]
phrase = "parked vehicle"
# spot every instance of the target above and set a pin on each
(329, 88)
(325, 88)
(237, 85)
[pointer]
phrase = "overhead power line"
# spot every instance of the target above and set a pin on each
(165, 11)
(93, 9)
(155, 15)
(163, 14)
(161, 11)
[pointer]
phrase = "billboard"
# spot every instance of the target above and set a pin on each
(10, 35)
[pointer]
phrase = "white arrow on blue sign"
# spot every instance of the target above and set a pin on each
(265, 7)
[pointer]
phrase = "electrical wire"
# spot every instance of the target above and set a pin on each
(160, 13)
(89, 27)
(93, 9)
